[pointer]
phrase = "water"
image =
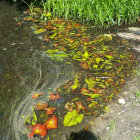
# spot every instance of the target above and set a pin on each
(25, 70)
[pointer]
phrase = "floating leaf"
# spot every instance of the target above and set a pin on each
(38, 129)
(51, 123)
(54, 97)
(84, 65)
(76, 83)
(109, 57)
(92, 95)
(52, 36)
(86, 55)
(80, 106)
(39, 31)
(95, 66)
(69, 106)
(91, 82)
(98, 59)
(72, 118)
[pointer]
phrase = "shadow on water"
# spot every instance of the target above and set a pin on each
(83, 135)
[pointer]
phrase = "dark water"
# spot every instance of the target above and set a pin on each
(23, 71)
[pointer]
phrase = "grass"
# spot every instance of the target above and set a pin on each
(137, 94)
(94, 12)
(112, 127)
(136, 137)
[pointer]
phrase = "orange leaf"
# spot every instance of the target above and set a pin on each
(51, 122)
(38, 129)
(84, 65)
(41, 106)
(37, 94)
(54, 97)
(50, 110)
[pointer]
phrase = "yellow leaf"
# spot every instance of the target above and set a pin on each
(76, 83)
(86, 55)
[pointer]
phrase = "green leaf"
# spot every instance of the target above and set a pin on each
(98, 59)
(86, 55)
(52, 36)
(92, 95)
(39, 31)
(95, 67)
(72, 118)
(109, 57)
(76, 83)
(91, 82)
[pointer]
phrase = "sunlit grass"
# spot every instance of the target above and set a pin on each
(95, 12)
(137, 94)
(136, 137)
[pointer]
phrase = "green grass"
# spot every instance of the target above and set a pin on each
(137, 94)
(136, 137)
(94, 12)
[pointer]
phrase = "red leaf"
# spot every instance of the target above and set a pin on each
(54, 97)
(38, 129)
(50, 110)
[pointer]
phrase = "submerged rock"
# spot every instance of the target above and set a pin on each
(132, 34)
(134, 30)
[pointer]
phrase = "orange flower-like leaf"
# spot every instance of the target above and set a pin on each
(54, 97)
(50, 110)
(80, 107)
(38, 129)
(41, 106)
(51, 122)
(37, 94)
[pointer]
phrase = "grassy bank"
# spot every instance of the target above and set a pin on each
(94, 12)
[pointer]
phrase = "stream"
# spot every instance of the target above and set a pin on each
(25, 70)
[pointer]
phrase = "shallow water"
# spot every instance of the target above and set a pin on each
(25, 70)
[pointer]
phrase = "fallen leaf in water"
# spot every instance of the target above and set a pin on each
(69, 106)
(84, 65)
(72, 118)
(51, 122)
(29, 19)
(84, 90)
(80, 107)
(41, 106)
(39, 31)
(38, 129)
(19, 23)
(54, 97)
(50, 110)
(37, 94)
